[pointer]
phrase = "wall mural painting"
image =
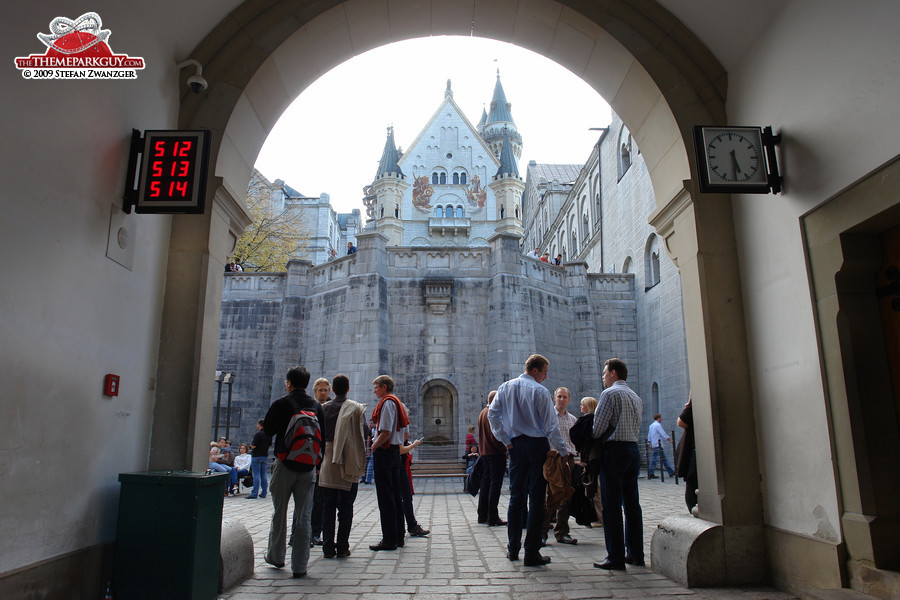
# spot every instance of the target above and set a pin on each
(476, 195)
(422, 193)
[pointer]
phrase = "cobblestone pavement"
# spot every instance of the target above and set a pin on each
(461, 559)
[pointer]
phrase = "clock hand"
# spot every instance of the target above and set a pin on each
(737, 167)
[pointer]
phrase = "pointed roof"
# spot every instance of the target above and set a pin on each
(389, 156)
(507, 158)
(483, 120)
(501, 110)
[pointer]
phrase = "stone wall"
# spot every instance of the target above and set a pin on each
(464, 317)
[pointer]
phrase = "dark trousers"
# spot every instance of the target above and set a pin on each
(690, 482)
(337, 503)
(387, 490)
(619, 489)
(527, 488)
(406, 498)
(491, 484)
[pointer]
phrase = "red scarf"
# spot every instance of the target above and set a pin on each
(402, 417)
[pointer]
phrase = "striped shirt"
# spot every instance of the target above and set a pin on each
(566, 421)
(620, 406)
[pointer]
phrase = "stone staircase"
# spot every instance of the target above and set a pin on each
(438, 460)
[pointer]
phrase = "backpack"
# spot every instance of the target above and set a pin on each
(302, 445)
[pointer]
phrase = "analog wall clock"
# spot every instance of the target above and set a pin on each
(731, 159)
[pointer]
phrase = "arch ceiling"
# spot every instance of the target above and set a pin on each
(657, 76)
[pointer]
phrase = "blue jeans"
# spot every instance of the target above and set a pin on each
(526, 486)
(300, 485)
(619, 489)
(260, 476)
(654, 457)
(370, 469)
(232, 473)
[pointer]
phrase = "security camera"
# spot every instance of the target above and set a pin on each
(196, 81)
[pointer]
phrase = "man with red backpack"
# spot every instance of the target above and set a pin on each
(297, 422)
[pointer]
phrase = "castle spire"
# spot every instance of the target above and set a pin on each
(498, 121)
(501, 110)
(508, 164)
(390, 156)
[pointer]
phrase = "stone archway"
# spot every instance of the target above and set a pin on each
(439, 409)
(657, 76)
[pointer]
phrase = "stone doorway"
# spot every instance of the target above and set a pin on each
(439, 419)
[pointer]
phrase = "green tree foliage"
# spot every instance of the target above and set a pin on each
(277, 233)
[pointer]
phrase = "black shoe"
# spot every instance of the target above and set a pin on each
(606, 565)
(401, 542)
(381, 546)
(417, 531)
(536, 561)
(543, 541)
(482, 521)
(329, 554)
(497, 523)
(343, 553)
(315, 540)
(512, 555)
(638, 562)
(299, 575)
(567, 539)
(276, 565)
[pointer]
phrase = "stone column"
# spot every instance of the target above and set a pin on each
(510, 326)
(182, 413)
(699, 234)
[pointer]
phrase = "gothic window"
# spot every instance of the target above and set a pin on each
(517, 212)
(597, 212)
(651, 262)
(382, 210)
(626, 266)
(396, 211)
(456, 179)
(574, 244)
(459, 212)
(585, 227)
(443, 178)
(434, 178)
(502, 211)
(462, 178)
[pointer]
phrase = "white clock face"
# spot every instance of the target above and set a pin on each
(734, 155)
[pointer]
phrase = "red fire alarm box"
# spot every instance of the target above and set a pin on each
(111, 385)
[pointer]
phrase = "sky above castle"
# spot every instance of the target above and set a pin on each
(331, 137)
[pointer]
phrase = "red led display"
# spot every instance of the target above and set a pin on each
(173, 171)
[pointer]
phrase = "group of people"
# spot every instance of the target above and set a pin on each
(521, 421)
(324, 493)
(250, 461)
(545, 257)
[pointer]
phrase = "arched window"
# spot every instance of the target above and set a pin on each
(439, 211)
(462, 178)
(396, 211)
(434, 178)
(456, 179)
(502, 211)
(651, 262)
(654, 399)
(517, 212)
(626, 151)
(448, 212)
(382, 210)
(626, 266)
(459, 212)
(585, 227)
(443, 178)
(574, 244)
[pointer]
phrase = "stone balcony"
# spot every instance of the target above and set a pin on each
(449, 226)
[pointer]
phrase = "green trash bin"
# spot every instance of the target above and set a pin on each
(168, 535)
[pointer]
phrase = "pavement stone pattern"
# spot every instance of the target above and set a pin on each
(462, 559)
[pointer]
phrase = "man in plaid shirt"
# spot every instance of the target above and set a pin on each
(618, 419)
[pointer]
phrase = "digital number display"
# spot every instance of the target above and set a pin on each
(173, 171)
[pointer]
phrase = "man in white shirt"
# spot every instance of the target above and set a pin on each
(656, 436)
(523, 418)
